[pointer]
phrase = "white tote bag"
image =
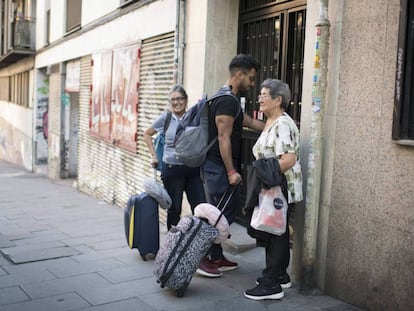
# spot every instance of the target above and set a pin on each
(271, 214)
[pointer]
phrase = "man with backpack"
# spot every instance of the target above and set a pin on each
(222, 165)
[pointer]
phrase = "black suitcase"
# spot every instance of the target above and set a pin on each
(185, 246)
(141, 224)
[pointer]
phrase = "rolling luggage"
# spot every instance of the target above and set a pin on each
(184, 247)
(141, 224)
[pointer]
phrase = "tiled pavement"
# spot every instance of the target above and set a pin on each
(61, 249)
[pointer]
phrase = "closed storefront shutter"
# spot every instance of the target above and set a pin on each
(157, 78)
(110, 172)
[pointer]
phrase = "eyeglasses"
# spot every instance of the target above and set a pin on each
(176, 99)
(264, 96)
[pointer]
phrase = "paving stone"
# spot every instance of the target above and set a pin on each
(125, 305)
(65, 285)
(69, 301)
(110, 293)
(98, 255)
(75, 268)
(6, 243)
(105, 274)
(43, 237)
(46, 265)
(23, 256)
(11, 295)
(142, 270)
(32, 247)
(25, 278)
(90, 240)
(109, 244)
(238, 303)
(2, 271)
(201, 292)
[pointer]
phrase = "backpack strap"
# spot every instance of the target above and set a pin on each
(221, 94)
(167, 121)
(210, 100)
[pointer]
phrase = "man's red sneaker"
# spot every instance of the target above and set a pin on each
(224, 264)
(208, 269)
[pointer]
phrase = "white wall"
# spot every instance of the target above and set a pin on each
(195, 45)
(94, 9)
(208, 54)
(57, 19)
(137, 25)
(17, 116)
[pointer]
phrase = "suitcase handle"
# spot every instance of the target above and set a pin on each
(229, 193)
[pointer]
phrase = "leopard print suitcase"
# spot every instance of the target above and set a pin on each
(182, 251)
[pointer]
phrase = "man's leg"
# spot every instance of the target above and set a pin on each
(216, 184)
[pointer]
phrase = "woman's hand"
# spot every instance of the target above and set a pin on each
(154, 161)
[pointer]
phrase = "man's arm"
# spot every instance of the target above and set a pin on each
(224, 125)
(253, 123)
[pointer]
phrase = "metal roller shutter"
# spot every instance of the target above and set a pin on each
(110, 172)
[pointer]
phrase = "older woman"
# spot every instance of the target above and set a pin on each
(176, 177)
(279, 139)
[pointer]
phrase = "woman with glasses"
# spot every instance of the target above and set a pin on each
(279, 140)
(176, 176)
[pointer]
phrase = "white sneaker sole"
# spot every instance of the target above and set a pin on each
(209, 275)
(272, 297)
(224, 269)
(284, 286)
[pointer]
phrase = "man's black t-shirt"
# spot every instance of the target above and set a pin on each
(225, 105)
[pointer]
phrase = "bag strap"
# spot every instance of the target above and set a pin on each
(224, 203)
(166, 125)
(167, 121)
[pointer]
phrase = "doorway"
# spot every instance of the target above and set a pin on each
(274, 33)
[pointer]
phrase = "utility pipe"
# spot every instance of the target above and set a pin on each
(179, 42)
(308, 275)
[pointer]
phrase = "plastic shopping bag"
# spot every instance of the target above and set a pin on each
(271, 214)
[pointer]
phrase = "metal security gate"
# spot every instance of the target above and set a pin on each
(274, 33)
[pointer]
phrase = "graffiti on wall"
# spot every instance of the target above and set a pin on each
(42, 107)
(115, 95)
(125, 75)
(101, 95)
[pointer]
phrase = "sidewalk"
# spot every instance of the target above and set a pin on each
(61, 249)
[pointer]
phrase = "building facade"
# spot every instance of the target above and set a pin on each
(103, 69)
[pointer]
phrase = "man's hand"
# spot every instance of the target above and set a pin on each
(234, 178)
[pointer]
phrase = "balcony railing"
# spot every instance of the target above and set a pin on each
(24, 34)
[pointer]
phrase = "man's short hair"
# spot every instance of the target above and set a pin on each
(243, 62)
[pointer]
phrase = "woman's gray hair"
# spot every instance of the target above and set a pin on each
(180, 89)
(278, 88)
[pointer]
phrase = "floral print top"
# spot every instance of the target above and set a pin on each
(282, 137)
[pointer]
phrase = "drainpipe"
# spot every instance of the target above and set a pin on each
(179, 42)
(308, 275)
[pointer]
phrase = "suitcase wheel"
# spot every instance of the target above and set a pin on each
(179, 292)
(143, 256)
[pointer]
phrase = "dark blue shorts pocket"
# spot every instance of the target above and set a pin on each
(215, 178)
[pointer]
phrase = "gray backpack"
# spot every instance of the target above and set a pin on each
(191, 138)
